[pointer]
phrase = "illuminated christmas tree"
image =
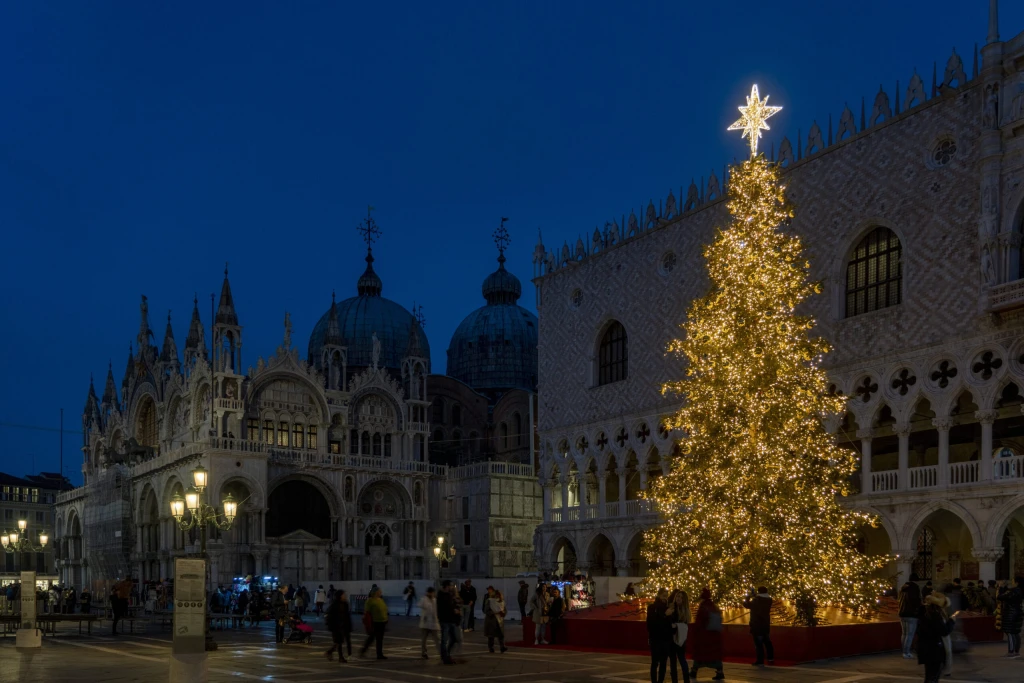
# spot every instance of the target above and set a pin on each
(753, 499)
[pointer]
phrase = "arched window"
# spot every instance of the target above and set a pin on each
(145, 433)
(612, 355)
(353, 442)
(387, 445)
(311, 437)
(365, 443)
(874, 275)
(282, 434)
(517, 429)
(377, 445)
(268, 432)
(503, 433)
(297, 433)
(922, 565)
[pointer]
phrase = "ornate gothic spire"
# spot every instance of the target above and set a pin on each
(169, 352)
(91, 412)
(129, 369)
(195, 342)
(144, 332)
(226, 308)
(110, 390)
(332, 336)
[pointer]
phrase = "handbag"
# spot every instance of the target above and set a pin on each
(682, 630)
(714, 622)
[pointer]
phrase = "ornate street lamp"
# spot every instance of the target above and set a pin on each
(18, 541)
(201, 515)
(443, 555)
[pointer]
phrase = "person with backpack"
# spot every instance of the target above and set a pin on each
(706, 635)
(375, 621)
(410, 597)
(339, 622)
(760, 606)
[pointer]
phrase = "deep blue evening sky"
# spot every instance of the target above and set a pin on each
(142, 145)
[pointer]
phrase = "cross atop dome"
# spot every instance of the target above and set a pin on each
(369, 229)
(501, 239)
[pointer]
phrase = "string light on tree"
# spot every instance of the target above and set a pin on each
(754, 498)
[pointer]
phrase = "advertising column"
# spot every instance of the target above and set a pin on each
(188, 647)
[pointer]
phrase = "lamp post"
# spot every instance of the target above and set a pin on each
(201, 515)
(443, 555)
(15, 542)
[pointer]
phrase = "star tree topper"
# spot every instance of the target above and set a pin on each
(753, 118)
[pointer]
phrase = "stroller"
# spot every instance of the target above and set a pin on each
(301, 631)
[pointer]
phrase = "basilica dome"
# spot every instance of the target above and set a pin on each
(353, 322)
(495, 347)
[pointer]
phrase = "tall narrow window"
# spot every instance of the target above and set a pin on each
(282, 434)
(268, 432)
(311, 441)
(377, 445)
(612, 355)
(874, 275)
(387, 445)
(353, 442)
(252, 430)
(297, 434)
(365, 450)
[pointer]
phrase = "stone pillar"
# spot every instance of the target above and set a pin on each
(943, 424)
(546, 488)
(987, 558)
(643, 479)
(904, 564)
(986, 418)
(601, 495)
(902, 430)
(622, 472)
(621, 567)
(565, 498)
(865, 459)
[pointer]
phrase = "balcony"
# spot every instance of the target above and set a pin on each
(228, 404)
(613, 510)
(1006, 296)
(958, 474)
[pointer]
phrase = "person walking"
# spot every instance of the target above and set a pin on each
(556, 608)
(241, 608)
(909, 608)
(301, 597)
(320, 600)
(72, 600)
(679, 613)
(760, 606)
(539, 613)
(1012, 614)
(706, 635)
(255, 607)
(494, 619)
(945, 605)
(522, 598)
(339, 622)
(659, 635)
(85, 599)
(449, 618)
(279, 612)
(429, 624)
(932, 628)
(119, 601)
(410, 596)
(468, 595)
(377, 610)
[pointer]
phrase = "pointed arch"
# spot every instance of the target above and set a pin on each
(914, 524)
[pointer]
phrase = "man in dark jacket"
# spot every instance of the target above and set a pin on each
(760, 606)
(449, 617)
(279, 611)
(1011, 599)
(523, 597)
(555, 610)
(909, 608)
(659, 635)
(468, 595)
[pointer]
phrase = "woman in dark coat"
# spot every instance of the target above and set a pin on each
(706, 636)
(932, 627)
(1012, 615)
(339, 623)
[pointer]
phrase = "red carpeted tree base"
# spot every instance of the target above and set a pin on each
(620, 627)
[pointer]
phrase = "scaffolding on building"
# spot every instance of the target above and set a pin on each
(108, 527)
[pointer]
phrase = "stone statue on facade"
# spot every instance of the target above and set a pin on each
(376, 351)
(988, 271)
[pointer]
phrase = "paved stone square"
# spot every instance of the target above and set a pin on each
(251, 654)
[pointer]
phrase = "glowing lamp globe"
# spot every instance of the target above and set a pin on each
(437, 549)
(230, 508)
(22, 524)
(6, 540)
(43, 538)
(440, 540)
(177, 506)
(192, 500)
(14, 538)
(199, 478)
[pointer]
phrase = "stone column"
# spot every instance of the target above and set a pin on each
(987, 558)
(865, 459)
(546, 488)
(986, 418)
(622, 472)
(565, 498)
(904, 564)
(621, 567)
(601, 495)
(643, 479)
(902, 430)
(943, 424)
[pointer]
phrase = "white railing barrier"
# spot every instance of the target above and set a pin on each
(1008, 468)
(964, 472)
(887, 480)
(924, 477)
